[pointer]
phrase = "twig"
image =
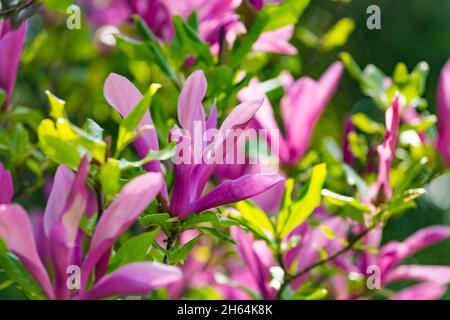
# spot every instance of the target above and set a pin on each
(17, 7)
(170, 240)
(306, 270)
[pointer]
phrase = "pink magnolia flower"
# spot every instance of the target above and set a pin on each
(198, 271)
(62, 234)
(254, 274)
(432, 278)
(313, 240)
(386, 151)
(191, 178)
(254, 271)
(443, 100)
(11, 44)
(123, 96)
(301, 107)
(214, 17)
(6, 183)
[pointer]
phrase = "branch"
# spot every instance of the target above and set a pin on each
(17, 7)
(349, 246)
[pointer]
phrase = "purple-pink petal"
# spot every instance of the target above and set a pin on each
(11, 44)
(443, 100)
(276, 41)
(61, 188)
(7, 187)
(386, 151)
(422, 273)
(123, 96)
(17, 231)
(190, 107)
(257, 258)
(64, 231)
(235, 190)
(133, 279)
(394, 252)
(134, 198)
(302, 106)
(423, 291)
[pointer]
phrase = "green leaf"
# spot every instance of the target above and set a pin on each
(205, 217)
(109, 176)
(402, 202)
(154, 49)
(338, 34)
(340, 200)
(57, 106)
(180, 253)
(156, 219)
(56, 148)
(219, 235)
(190, 41)
(93, 129)
(366, 124)
(255, 217)
(300, 210)
(371, 80)
(401, 74)
(358, 146)
(240, 50)
(283, 14)
(134, 249)
(354, 179)
(416, 169)
(423, 124)
(318, 294)
(17, 273)
(19, 144)
(2, 97)
(58, 5)
(95, 146)
(28, 116)
(129, 124)
(164, 154)
(285, 204)
(88, 224)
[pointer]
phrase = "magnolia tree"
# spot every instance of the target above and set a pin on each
(198, 172)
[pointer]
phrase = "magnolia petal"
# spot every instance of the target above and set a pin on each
(434, 274)
(329, 81)
(134, 198)
(257, 258)
(443, 100)
(123, 96)
(394, 252)
(64, 230)
(17, 231)
(302, 106)
(190, 107)
(264, 117)
(11, 44)
(7, 187)
(211, 123)
(424, 291)
(386, 151)
(276, 41)
(58, 196)
(235, 190)
(133, 279)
